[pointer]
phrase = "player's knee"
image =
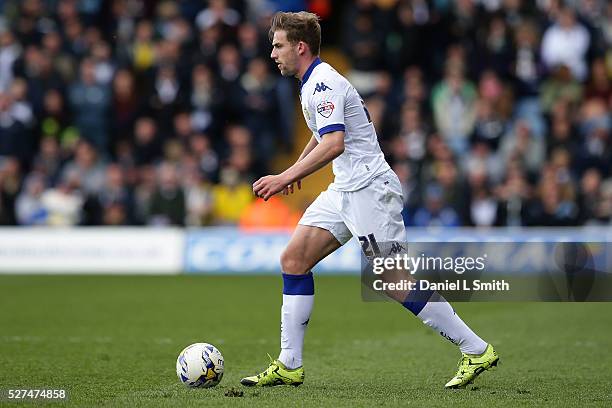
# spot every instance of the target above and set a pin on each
(293, 264)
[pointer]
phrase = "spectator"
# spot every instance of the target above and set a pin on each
(553, 206)
(114, 203)
(231, 197)
(260, 106)
(495, 51)
(604, 210)
(361, 43)
(10, 184)
(435, 212)
(37, 68)
(413, 132)
(447, 177)
(183, 126)
(562, 135)
(208, 45)
(147, 141)
(75, 37)
(560, 85)
(89, 102)
(514, 195)
(520, 144)
(599, 85)
(167, 97)
(48, 160)
(206, 157)
(12, 140)
(62, 61)
(29, 208)
(198, 194)
(104, 68)
(142, 51)
(125, 106)
(21, 109)
(566, 43)
(168, 201)
(595, 127)
(64, 202)
(481, 155)
(250, 42)
(483, 208)
(489, 126)
(229, 71)
(590, 197)
(453, 102)
(410, 189)
(405, 41)
(88, 167)
(143, 193)
(55, 115)
(206, 99)
(10, 50)
(174, 152)
(217, 12)
(526, 74)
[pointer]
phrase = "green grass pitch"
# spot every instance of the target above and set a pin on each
(113, 341)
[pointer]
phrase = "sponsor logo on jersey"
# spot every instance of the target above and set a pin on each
(325, 108)
(321, 87)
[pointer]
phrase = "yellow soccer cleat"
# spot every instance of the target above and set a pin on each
(471, 366)
(275, 374)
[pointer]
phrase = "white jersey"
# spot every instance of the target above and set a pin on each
(330, 103)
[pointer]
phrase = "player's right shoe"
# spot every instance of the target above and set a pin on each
(275, 374)
(471, 366)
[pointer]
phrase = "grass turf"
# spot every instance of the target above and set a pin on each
(113, 340)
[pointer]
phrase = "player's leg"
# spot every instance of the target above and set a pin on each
(374, 216)
(319, 233)
(307, 247)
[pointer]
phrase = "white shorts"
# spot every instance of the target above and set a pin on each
(372, 214)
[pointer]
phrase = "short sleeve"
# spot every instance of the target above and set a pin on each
(329, 111)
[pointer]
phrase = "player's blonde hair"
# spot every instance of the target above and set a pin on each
(301, 26)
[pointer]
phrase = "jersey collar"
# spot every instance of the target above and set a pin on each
(312, 66)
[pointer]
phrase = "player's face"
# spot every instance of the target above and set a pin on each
(284, 54)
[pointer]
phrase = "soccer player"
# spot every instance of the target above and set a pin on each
(365, 201)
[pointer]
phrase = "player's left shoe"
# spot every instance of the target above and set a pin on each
(275, 374)
(471, 366)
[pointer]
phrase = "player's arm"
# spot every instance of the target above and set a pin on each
(330, 147)
(312, 143)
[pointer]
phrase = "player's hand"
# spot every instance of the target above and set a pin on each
(267, 186)
(289, 189)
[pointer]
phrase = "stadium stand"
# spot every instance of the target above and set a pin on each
(133, 112)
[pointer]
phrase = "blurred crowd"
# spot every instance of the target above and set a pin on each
(134, 112)
(493, 112)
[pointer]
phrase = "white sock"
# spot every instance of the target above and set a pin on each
(295, 314)
(298, 300)
(438, 314)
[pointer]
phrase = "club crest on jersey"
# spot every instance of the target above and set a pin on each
(325, 108)
(321, 87)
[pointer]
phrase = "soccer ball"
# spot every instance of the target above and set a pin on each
(200, 365)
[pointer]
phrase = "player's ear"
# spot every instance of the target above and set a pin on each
(301, 47)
